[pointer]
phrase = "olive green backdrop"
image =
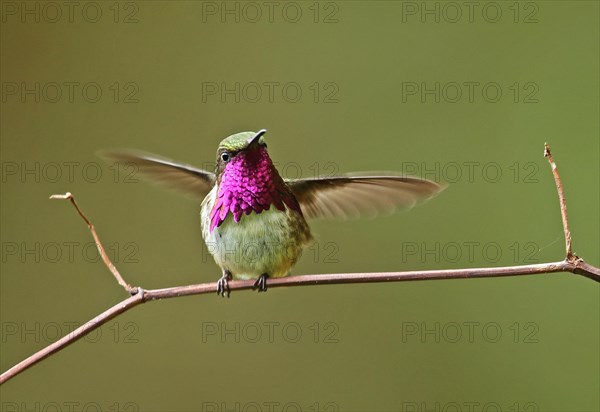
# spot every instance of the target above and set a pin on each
(461, 93)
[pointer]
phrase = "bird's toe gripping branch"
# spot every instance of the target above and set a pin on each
(261, 283)
(223, 284)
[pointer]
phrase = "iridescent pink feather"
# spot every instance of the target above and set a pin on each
(250, 183)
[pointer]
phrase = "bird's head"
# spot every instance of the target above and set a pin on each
(241, 153)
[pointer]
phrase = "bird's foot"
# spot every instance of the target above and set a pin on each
(223, 284)
(261, 283)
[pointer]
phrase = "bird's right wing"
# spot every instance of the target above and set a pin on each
(186, 179)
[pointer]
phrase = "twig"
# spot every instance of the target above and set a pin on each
(562, 201)
(571, 264)
(130, 289)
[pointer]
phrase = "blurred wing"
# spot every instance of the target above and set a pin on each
(184, 178)
(360, 196)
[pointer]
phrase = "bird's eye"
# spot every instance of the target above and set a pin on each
(225, 156)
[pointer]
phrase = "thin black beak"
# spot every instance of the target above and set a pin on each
(254, 139)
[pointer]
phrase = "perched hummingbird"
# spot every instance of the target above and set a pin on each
(254, 222)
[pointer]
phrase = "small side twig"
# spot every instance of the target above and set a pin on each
(572, 264)
(562, 201)
(130, 289)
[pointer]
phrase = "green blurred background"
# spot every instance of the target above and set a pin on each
(164, 69)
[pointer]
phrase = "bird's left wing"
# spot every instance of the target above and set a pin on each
(353, 196)
(182, 177)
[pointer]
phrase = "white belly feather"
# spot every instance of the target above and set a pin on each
(268, 242)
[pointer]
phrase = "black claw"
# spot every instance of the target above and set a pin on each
(223, 284)
(261, 283)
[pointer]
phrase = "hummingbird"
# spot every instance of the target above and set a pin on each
(253, 221)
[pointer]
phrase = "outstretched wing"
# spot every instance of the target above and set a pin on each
(352, 196)
(181, 177)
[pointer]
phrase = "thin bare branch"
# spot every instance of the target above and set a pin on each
(304, 280)
(130, 289)
(562, 201)
(572, 264)
(73, 336)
